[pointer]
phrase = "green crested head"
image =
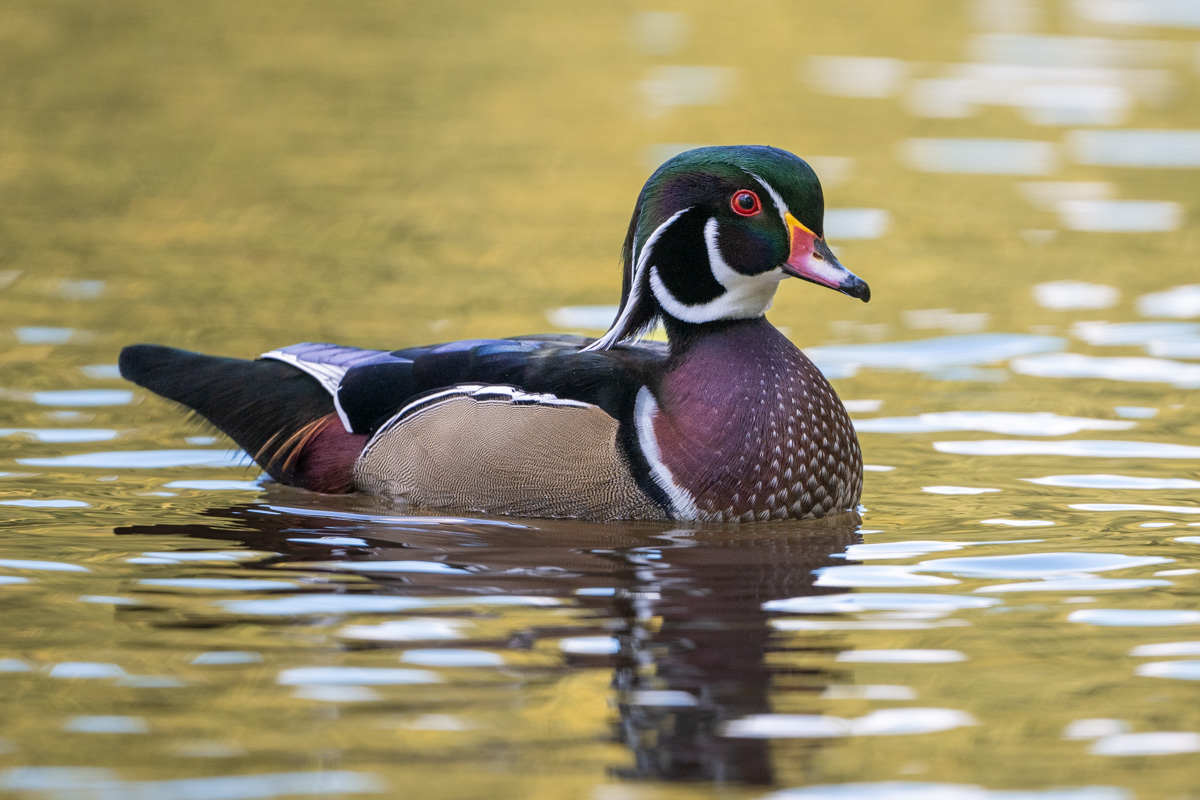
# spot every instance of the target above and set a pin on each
(713, 233)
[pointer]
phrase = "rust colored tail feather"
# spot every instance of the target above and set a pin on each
(276, 413)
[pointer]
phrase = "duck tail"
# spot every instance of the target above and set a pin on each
(279, 415)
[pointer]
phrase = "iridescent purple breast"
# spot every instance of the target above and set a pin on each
(749, 429)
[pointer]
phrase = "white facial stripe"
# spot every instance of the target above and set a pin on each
(635, 284)
(683, 506)
(779, 204)
(745, 296)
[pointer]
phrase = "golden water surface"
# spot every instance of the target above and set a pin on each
(1018, 610)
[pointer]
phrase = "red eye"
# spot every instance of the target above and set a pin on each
(746, 203)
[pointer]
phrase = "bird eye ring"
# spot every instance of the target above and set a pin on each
(745, 203)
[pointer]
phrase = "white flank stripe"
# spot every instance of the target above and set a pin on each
(683, 506)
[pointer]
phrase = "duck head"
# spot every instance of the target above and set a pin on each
(714, 232)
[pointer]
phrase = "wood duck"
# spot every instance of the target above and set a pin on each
(727, 421)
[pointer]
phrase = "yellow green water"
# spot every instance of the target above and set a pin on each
(235, 177)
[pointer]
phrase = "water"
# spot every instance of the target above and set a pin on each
(1017, 614)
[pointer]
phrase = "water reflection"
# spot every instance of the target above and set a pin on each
(684, 615)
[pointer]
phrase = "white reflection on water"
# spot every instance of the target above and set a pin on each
(659, 33)
(450, 657)
(669, 87)
(924, 355)
(413, 629)
(219, 584)
(872, 576)
(1136, 412)
(1136, 369)
(41, 566)
(850, 691)
(216, 485)
(1064, 295)
(587, 318)
(62, 435)
(884, 722)
(427, 567)
(590, 645)
(904, 790)
(1128, 617)
(980, 156)
(39, 335)
(889, 550)
(856, 223)
(1179, 670)
(1040, 423)
(1148, 744)
(103, 784)
(1094, 728)
(1127, 333)
(1121, 216)
(142, 459)
(853, 76)
(32, 503)
(1134, 507)
(1113, 482)
(871, 601)
(1085, 448)
(1160, 649)
(1180, 302)
(1136, 148)
(354, 676)
(1077, 585)
(1068, 51)
(901, 656)
(86, 670)
(106, 724)
(83, 397)
(1049, 195)
(1174, 348)
(227, 657)
(1167, 13)
(1035, 565)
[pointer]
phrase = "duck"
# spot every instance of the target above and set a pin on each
(725, 421)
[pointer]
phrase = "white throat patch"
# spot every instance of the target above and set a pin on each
(745, 296)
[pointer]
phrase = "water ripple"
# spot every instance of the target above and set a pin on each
(1040, 423)
(1122, 617)
(1033, 565)
(884, 722)
(354, 676)
(1179, 670)
(1135, 507)
(903, 790)
(143, 459)
(1164, 743)
(1084, 448)
(1139, 369)
(1113, 482)
(927, 355)
(870, 601)
(1077, 585)
(867, 576)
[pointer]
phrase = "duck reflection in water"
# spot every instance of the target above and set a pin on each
(684, 604)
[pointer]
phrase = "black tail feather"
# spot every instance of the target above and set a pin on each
(265, 406)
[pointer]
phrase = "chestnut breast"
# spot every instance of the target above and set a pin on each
(750, 429)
